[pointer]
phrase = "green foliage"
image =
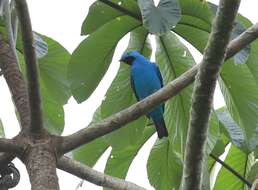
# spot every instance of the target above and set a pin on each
(120, 160)
(54, 86)
(53, 71)
(90, 153)
(189, 19)
(252, 174)
(193, 19)
(174, 59)
(92, 57)
(239, 89)
(164, 166)
(100, 14)
(232, 130)
(241, 163)
(162, 18)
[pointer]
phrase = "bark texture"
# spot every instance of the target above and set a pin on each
(204, 87)
(40, 162)
(98, 178)
(36, 124)
(15, 82)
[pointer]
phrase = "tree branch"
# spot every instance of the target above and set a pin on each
(40, 160)
(31, 66)
(5, 158)
(9, 28)
(242, 40)
(9, 146)
(80, 170)
(116, 121)
(15, 81)
(204, 88)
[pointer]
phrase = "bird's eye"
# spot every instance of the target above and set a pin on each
(128, 60)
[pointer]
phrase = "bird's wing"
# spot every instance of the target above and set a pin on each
(156, 67)
(133, 87)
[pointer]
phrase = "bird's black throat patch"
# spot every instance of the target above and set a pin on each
(128, 60)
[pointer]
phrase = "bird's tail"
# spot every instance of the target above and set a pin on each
(161, 127)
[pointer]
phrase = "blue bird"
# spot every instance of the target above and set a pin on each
(145, 80)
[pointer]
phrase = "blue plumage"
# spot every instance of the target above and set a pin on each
(145, 80)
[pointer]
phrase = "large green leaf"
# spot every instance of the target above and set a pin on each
(240, 93)
(196, 9)
(120, 160)
(92, 57)
(232, 130)
(53, 72)
(195, 24)
(252, 60)
(91, 152)
(213, 135)
(41, 47)
(162, 18)
(53, 115)
(100, 14)
(174, 59)
(241, 163)
(164, 166)
(120, 95)
(53, 84)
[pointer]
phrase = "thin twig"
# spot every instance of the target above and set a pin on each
(239, 176)
(79, 185)
(36, 124)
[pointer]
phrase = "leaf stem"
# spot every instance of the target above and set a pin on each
(121, 9)
(225, 165)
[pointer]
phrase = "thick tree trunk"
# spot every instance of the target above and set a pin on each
(15, 82)
(40, 162)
